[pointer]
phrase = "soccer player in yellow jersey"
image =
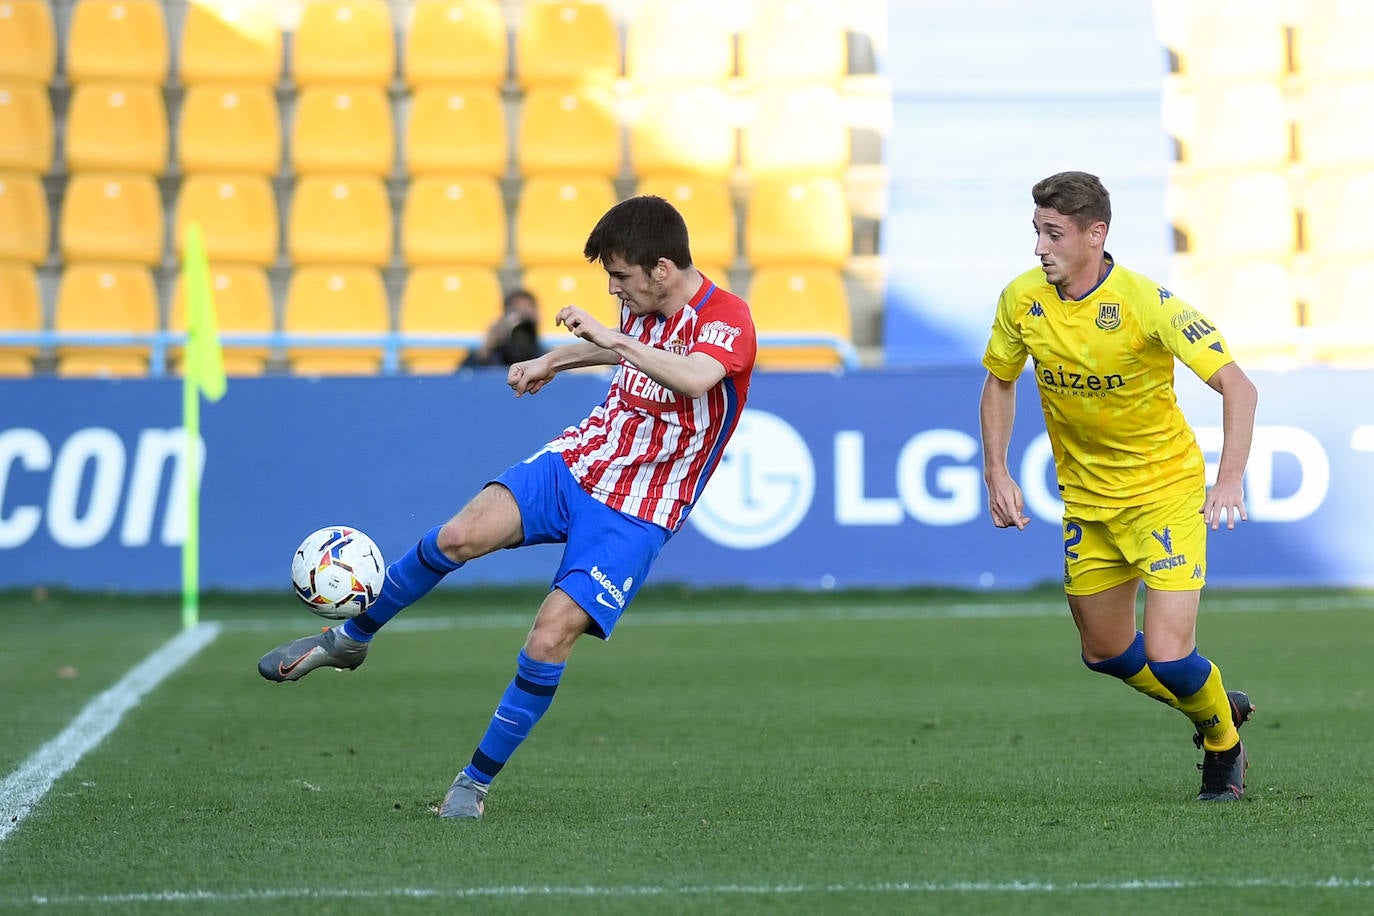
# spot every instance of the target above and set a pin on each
(1102, 341)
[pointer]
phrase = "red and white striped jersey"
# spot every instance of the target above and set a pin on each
(648, 451)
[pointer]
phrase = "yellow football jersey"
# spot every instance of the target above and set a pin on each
(1105, 368)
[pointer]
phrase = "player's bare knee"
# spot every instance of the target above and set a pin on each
(455, 541)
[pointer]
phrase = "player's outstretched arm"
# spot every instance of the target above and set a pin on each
(1226, 498)
(529, 376)
(692, 375)
(996, 414)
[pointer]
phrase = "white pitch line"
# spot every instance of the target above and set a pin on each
(1029, 886)
(720, 616)
(25, 787)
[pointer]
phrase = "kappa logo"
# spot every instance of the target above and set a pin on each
(719, 334)
(1164, 294)
(1036, 310)
(1197, 570)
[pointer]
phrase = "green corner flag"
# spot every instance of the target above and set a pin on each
(203, 373)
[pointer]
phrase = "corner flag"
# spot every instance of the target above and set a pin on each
(203, 373)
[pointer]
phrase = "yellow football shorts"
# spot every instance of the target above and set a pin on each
(1164, 543)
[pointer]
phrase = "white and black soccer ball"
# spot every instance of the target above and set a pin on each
(338, 572)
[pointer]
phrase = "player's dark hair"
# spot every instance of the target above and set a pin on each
(1077, 195)
(640, 230)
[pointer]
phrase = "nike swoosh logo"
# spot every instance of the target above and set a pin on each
(601, 600)
(504, 719)
(285, 670)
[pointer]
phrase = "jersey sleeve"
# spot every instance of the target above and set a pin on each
(1187, 333)
(1005, 356)
(725, 332)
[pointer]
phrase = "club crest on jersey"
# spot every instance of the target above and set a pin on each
(1109, 316)
(676, 345)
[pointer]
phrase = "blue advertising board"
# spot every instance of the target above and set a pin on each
(862, 479)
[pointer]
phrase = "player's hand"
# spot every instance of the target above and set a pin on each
(1224, 500)
(583, 325)
(1006, 505)
(529, 376)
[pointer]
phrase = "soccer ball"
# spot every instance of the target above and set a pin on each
(338, 572)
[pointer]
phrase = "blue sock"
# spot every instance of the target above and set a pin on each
(1127, 664)
(407, 581)
(525, 700)
(1184, 676)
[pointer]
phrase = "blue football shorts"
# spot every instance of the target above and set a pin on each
(608, 552)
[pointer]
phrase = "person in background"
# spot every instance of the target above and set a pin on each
(1103, 341)
(511, 338)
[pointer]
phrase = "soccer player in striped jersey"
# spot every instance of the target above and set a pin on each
(1102, 341)
(613, 489)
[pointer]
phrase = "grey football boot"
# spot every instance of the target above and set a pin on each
(1223, 775)
(296, 659)
(465, 798)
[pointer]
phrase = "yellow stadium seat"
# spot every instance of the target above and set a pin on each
(237, 216)
(796, 131)
(344, 41)
(457, 130)
(1331, 39)
(456, 42)
(1236, 214)
(117, 40)
(26, 131)
(321, 301)
(21, 312)
(556, 286)
(1339, 294)
(1253, 302)
(243, 305)
(1241, 126)
(25, 225)
(566, 41)
(105, 298)
(802, 301)
(230, 41)
(802, 221)
(794, 41)
(569, 130)
(709, 211)
(1232, 40)
(671, 42)
(230, 128)
(454, 220)
(117, 127)
(340, 129)
(446, 300)
(682, 129)
(1338, 214)
(340, 220)
(555, 214)
(1333, 131)
(28, 42)
(111, 216)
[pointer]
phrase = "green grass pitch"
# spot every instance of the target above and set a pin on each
(858, 752)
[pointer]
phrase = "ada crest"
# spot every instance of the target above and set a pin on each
(1109, 316)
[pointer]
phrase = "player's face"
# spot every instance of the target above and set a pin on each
(1065, 251)
(638, 289)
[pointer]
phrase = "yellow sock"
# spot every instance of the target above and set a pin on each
(1145, 681)
(1210, 710)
